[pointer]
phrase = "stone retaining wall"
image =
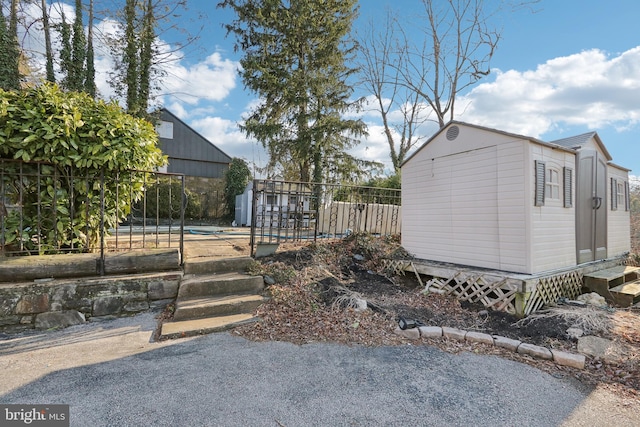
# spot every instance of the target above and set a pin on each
(48, 303)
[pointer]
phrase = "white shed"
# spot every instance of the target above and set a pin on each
(482, 197)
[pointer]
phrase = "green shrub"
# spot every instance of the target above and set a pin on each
(164, 199)
(82, 140)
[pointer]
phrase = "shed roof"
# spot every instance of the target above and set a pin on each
(578, 141)
(510, 134)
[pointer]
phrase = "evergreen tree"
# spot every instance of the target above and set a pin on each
(66, 65)
(90, 70)
(138, 60)
(130, 58)
(146, 56)
(76, 76)
(235, 180)
(294, 59)
(9, 50)
(47, 43)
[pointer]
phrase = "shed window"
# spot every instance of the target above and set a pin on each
(617, 194)
(620, 194)
(272, 199)
(552, 184)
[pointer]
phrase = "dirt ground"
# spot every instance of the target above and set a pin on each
(317, 292)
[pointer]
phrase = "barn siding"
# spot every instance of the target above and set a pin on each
(553, 233)
(618, 221)
(189, 152)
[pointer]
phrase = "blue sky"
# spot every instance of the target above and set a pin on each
(565, 68)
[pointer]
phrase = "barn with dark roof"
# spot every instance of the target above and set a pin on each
(189, 152)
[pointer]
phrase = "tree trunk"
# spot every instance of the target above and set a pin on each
(47, 43)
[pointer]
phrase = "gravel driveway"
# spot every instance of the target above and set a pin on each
(113, 375)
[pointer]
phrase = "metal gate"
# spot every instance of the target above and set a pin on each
(286, 211)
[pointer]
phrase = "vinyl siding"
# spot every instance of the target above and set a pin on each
(470, 201)
(553, 233)
(466, 208)
(618, 221)
(513, 234)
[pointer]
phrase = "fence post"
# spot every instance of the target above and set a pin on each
(101, 261)
(254, 211)
(183, 207)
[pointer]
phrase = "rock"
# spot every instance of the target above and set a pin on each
(479, 337)
(430, 331)
(508, 343)
(107, 305)
(574, 333)
(535, 351)
(593, 298)
(361, 304)
(9, 320)
(358, 257)
(59, 319)
(268, 280)
(453, 333)
(412, 334)
(135, 306)
(33, 304)
(483, 312)
(568, 359)
(602, 348)
(163, 289)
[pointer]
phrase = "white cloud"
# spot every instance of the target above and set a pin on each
(226, 135)
(374, 147)
(587, 89)
(209, 80)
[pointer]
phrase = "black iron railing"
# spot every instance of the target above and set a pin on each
(49, 209)
(294, 211)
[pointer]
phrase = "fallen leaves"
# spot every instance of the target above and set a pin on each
(310, 278)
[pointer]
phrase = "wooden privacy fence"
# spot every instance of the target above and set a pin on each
(52, 209)
(295, 211)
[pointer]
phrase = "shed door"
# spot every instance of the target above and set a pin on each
(591, 207)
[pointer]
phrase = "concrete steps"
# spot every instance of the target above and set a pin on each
(219, 284)
(195, 308)
(619, 285)
(205, 265)
(207, 325)
(215, 295)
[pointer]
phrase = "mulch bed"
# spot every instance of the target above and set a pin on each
(318, 288)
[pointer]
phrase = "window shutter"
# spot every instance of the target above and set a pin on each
(568, 187)
(627, 202)
(540, 183)
(614, 194)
